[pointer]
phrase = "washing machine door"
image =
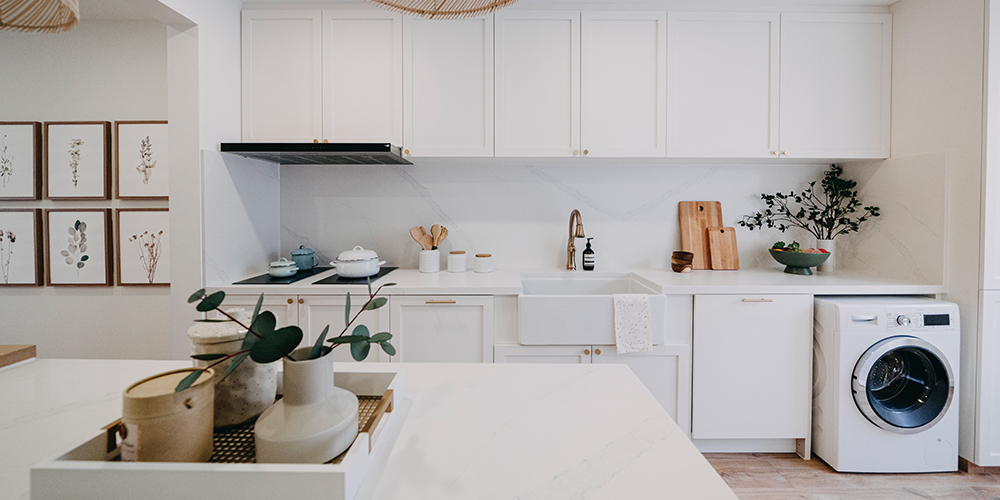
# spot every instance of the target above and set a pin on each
(903, 384)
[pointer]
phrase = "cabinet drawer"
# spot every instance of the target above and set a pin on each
(442, 329)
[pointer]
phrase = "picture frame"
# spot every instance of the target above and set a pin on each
(77, 160)
(142, 166)
(142, 246)
(20, 247)
(78, 247)
(20, 160)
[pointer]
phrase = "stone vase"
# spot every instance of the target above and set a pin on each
(829, 265)
(314, 421)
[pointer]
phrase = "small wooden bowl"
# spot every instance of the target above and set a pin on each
(680, 262)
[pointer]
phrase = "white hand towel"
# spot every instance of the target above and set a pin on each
(633, 329)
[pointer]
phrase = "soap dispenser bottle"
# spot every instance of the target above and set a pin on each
(588, 257)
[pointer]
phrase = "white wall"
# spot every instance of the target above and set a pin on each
(102, 70)
(937, 106)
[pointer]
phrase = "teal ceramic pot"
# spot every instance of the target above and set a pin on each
(798, 262)
(304, 258)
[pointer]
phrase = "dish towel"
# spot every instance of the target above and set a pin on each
(633, 329)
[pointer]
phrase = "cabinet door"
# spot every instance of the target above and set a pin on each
(537, 83)
(722, 84)
(752, 359)
(363, 76)
(541, 354)
(317, 311)
(282, 76)
(437, 329)
(623, 84)
(665, 371)
(448, 87)
(283, 307)
(988, 436)
(835, 85)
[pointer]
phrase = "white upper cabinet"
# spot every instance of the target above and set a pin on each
(282, 77)
(623, 84)
(448, 87)
(363, 76)
(537, 83)
(835, 85)
(722, 84)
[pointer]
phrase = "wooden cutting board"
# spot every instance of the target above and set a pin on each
(722, 249)
(695, 217)
(10, 354)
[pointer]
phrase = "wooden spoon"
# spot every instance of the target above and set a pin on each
(426, 242)
(444, 234)
(417, 234)
(436, 236)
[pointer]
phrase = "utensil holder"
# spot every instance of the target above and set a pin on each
(430, 261)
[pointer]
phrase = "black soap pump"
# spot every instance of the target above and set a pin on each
(588, 257)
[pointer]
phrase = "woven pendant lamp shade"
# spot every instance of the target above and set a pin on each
(442, 9)
(46, 16)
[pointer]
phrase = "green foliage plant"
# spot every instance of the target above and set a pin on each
(265, 344)
(827, 214)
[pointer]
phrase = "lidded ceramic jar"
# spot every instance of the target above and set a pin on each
(457, 261)
(251, 388)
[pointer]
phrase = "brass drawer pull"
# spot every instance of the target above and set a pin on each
(597, 352)
(290, 301)
(302, 301)
(586, 352)
(440, 302)
(758, 300)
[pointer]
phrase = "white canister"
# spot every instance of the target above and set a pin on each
(484, 263)
(457, 262)
(430, 261)
(161, 425)
(251, 388)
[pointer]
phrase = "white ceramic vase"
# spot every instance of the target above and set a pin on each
(828, 266)
(314, 421)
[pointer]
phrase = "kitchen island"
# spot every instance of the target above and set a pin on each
(469, 430)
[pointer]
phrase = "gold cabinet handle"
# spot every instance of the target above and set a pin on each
(325, 141)
(290, 301)
(440, 302)
(315, 141)
(302, 301)
(586, 352)
(784, 153)
(576, 152)
(406, 151)
(758, 300)
(597, 352)
(586, 151)
(775, 153)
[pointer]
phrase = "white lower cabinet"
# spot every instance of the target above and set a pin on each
(442, 329)
(284, 307)
(665, 371)
(752, 367)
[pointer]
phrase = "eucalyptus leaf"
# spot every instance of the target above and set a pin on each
(85, 257)
(359, 350)
(361, 331)
(256, 309)
(389, 284)
(380, 337)
(64, 253)
(276, 345)
(317, 349)
(71, 231)
(376, 303)
(264, 325)
(347, 312)
(211, 302)
(83, 247)
(210, 320)
(76, 225)
(208, 357)
(346, 339)
(187, 381)
(83, 227)
(369, 280)
(69, 260)
(79, 265)
(196, 296)
(388, 348)
(236, 362)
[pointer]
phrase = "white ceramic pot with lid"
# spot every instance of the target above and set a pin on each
(282, 268)
(357, 263)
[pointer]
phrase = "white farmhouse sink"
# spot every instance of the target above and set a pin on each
(575, 307)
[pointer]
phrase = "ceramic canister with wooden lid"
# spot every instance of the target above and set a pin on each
(457, 262)
(161, 425)
(483, 263)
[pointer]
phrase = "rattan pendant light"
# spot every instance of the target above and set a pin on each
(443, 9)
(45, 16)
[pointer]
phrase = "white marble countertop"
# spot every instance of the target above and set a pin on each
(470, 430)
(508, 282)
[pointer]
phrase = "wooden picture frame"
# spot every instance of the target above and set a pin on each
(90, 240)
(77, 160)
(26, 246)
(142, 258)
(142, 147)
(20, 152)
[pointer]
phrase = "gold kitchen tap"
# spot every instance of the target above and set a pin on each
(571, 247)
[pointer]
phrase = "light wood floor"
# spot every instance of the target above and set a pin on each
(783, 476)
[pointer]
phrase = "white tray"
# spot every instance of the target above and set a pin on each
(86, 472)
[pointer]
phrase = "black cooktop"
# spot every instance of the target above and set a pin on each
(340, 280)
(267, 279)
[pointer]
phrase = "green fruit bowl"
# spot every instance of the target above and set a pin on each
(798, 262)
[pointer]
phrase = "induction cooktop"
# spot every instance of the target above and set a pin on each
(267, 279)
(340, 280)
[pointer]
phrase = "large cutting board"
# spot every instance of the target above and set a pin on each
(695, 218)
(722, 249)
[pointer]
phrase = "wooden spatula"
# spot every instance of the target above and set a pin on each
(444, 234)
(427, 242)
(417, 235)
(435, 236)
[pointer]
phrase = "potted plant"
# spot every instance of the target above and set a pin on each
(314, 421)
(827, 214)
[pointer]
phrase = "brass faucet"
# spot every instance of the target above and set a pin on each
(571, 247)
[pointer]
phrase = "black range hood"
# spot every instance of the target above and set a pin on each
(317, 153)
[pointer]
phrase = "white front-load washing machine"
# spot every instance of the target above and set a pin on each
(885, 384)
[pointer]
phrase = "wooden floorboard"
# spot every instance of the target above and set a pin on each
(785, 476)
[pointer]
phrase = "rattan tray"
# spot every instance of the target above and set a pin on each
(93, 469)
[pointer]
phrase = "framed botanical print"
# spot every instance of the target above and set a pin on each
(142, 246)
(77, 247)
(20, 247)
(142, 169)
(20, 160)
(77, 160)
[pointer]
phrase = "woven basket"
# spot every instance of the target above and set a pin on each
(46, 16)
(442, 9)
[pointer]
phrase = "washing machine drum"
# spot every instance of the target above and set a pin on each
(903, 384)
